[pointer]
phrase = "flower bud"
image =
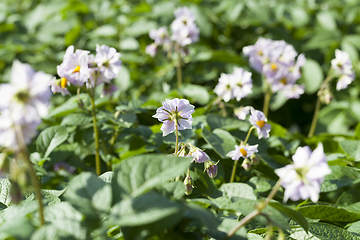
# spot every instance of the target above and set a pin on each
(255, 159)
(246, 164)
(325, 95)
(211, 169)
(188, 185)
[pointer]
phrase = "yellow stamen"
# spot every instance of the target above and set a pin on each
(260, 123)
(243, 152)
(77, 69)
(273, 67)
(63, 82)
(283, 81)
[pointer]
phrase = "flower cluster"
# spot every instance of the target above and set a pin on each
(343, 68)
(81, 68)
(175, 113)
(302, 179)
(236, 85)
(25, 101)
(184, 32)
(276, 61)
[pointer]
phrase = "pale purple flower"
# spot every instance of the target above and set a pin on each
(211, 168)
(302, 179)
(243, 83)
(59, 86)
(242, 112)
(108, 89)
(198, 155)
(259, 120)
(342, 63)
(293, 91)
(64, 166)
(242, 151)
(151, 49)
(258, 53)
(108, 61)
(75, 66)
(175, 111)
(224, 88)
(27, 96)
(160, 36)
(184, 29)
(344, 81)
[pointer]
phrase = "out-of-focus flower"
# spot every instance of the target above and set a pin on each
(243, 83)
(224, 88)
(199, 155)
(64, 166)
(246, 164)
(258, 53)
(59, 86)
(344, 81)
(188, 182)
(27, 96)
(108, 61)
(160, 36)
(175, 112)
(293, 91)
(75, 66)
(259, 120)
(184, 29)
(343, 68)
(242, 112)
(242, 151)
(108, 89)
(302, 179)
(151, 49)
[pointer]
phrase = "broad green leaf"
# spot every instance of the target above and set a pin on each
(353, 39)
(328, 231)
(70, 106)
(129, 44)
(60, 211)
(138, 174)
(107, 176)
(326, 20)
(254, 236)
(351, 147)
(140, 27)
(349, 197)
(72, 35)
(5, 186)
(226, 123)
(104, 31)
(312, 76)
(17, 228)
(328, 213)
(354, 227)
(89, 194)
(291, 213)
(50, 138)
(221, 141)
(340, 177)
(47, 232)
(226, 225)
(203, 216)
(195, 92)
(260, 184)
(235, 191)
(76, 119)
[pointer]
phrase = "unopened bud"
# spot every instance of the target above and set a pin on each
(211, 169)
(188, 185)
(325, 94)
(255, 159)
(246, 164)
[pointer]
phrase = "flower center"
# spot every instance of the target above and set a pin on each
(302, 174)
(243, 152)
(77, 69)
(63, 82)
(283, 81)
(23, 96)
(260, 123)
(273, 66)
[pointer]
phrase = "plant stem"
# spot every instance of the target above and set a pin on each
(315, 118)
(177, 138)
(96, 133)
(256, 212)
(34, 179)
(267, 98)
(233, 172)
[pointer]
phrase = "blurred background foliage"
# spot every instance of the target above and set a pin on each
(38, 32)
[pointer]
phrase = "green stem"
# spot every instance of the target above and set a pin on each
(256, 212)
(96, 133)
(112, 143)
(177, 138)
(233, 172)
(315, 118)
(267, 99)
(34, 178)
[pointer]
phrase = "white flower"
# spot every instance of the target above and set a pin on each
(259, 120)
(108, 61)
(342, 63)
(27, 96)
(302, 179)
(243, 83)
(242, 112)
(224, 88)
(242, 151)
(175, 111)
(344, 81)
(151, 49)
(293, 91)
(59, 86)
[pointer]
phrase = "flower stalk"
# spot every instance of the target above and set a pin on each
(96, 131)
(267, 98)
(178, 67)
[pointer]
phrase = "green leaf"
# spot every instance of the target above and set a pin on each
(76, 119)
(328, 231)
(326, 20)
(340, 177)
(18, 228)
(138, 174)
(351, 147)
(328, 213)
(312, 76)
(226, 225)
(72, 35)
(260, 184)
(349, 197)
(234, 191)
(129, 44)
(5, 186)
(107, 176)
(226, 123)
(104, 31)
(89, 194)
(291, 213)
(70, 106)
(195, 92)
(48, 231)
(221, 141)
(50, 138)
